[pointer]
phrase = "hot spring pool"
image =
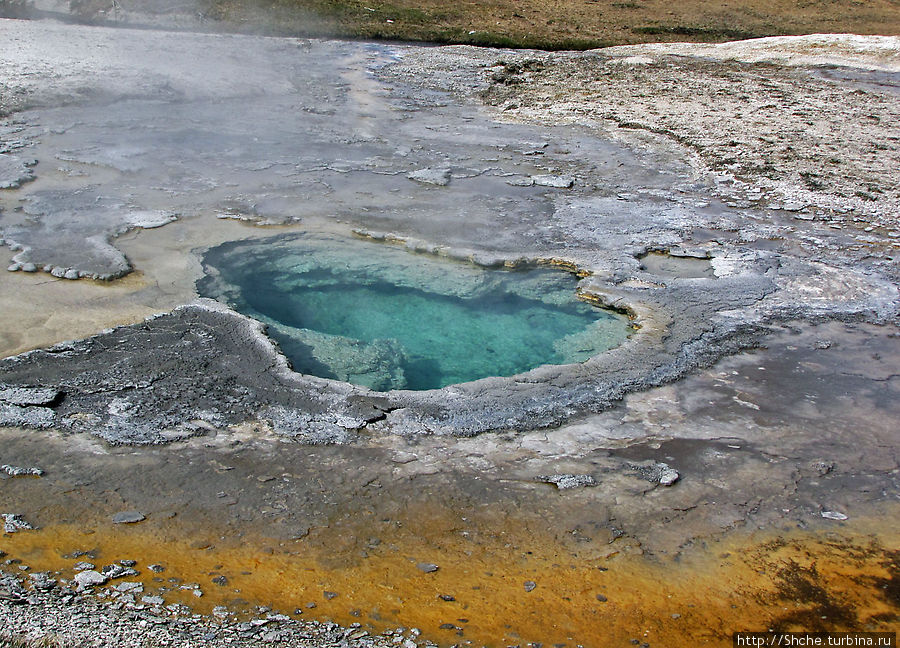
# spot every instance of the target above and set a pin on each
(379, 316)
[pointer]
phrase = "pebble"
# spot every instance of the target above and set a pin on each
(530, 585)
(566, 481)
(834, 515)
(152, 600)
(117, 571)
(13, 523)
(428, 568)
(89, 578)
(439, 177)
(128, 517)
(667, 475)
(16, 471)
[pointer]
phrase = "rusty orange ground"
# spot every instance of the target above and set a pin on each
(846, 578)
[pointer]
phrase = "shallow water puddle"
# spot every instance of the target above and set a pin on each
(384, 318)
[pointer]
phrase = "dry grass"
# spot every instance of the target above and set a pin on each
(47, 641)
(558, 24)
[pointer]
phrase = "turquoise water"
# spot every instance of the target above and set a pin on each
(384, 318)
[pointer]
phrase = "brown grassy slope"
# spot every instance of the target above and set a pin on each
(559, 24)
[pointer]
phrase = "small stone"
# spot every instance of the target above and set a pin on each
(555, 181)
(29, 267)
(152, 600)
(117, 571)
(602, 598)
(530, 585)
(439, 177)
(310, 605)
(428, 568)
(71, 273)
(676, 616)
(128, 517)
(329, 595)
(158, 569)
(89, 578)
(128, 563)
(563, 482)
(446, 597)
(834, 515)
(220, 580)
(667, 475)
(41, 581)
(81, 566)
(13, 523)
(17, 471)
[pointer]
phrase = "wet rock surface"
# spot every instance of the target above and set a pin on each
(766, 299)
(15, 171)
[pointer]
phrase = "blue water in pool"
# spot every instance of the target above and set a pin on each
(379, 316)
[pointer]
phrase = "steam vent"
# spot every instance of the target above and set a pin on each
(316, 342)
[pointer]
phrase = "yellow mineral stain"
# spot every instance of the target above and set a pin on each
(846, 579)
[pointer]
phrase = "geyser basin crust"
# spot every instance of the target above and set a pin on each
(204, 366)
(381, 317)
